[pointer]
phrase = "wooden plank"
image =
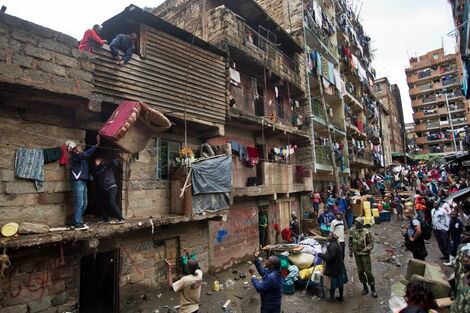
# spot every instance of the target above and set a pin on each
(123, 93)
(184, 53)
(164, 36)
(197, 101)
(165, 67)
(151, 76)
(178, 61)
(165, 86)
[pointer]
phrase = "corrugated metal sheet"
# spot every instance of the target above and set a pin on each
(159, 77)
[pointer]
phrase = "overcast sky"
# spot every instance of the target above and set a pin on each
(404, 28)
(398, 28)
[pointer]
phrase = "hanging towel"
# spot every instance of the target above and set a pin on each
(52, 154)
(252, 156)
(29, 164)
(64, 158)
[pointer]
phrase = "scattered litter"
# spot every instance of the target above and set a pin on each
(209, 293)
(229, 283)
(226, 304)
(239, 297)
(242, 275)
(159, 295)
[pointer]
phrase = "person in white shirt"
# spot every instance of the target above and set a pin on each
(189, 286)
(440, 225)
(337, 227)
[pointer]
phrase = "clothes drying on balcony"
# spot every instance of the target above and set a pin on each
(239, 149)
(253, 157)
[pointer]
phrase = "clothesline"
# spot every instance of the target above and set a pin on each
(86, 145)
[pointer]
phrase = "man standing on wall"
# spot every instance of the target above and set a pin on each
(189, 286)
(80, 175)
(125, 43)
(90, 38)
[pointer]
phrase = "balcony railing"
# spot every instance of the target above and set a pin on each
(317, 108)
(323, 155)
(449, 82)
(278, 178)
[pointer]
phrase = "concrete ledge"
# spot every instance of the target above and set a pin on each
(102, 230)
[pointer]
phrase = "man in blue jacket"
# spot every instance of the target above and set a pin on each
(103, 172)
(270, 287)
(124, 43)
(80, 175)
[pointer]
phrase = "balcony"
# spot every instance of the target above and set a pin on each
(450, 82)
(415, 78)
(277, 178)
(229, 28)
(361, 159)
(420, 127)
(418, 115)
(421, 140)
(315, 39)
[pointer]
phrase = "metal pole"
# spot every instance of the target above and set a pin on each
(309, 94)
(450, 121)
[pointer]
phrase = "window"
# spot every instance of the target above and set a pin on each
(436, 56)
(167, 151)
(279, 107)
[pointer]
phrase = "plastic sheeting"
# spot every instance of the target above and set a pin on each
(213, 175)
(210, 202)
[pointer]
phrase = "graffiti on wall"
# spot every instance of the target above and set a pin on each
(24, 281)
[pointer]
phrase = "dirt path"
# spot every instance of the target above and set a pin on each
(389, 263)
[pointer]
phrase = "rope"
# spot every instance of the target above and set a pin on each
(4, 262)
(186, 93)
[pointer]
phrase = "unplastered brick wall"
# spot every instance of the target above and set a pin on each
(143, 194)
(185, 14)
(20, 201)
(47, 282)
(36, 56)
(143, 258)
(287, 13)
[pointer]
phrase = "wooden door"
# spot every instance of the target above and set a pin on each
(284, 214)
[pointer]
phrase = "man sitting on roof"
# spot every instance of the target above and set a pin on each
(124, 43)
(91, 37)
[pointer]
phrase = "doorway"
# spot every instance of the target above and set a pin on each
(259, 103)
(263, 225)
(99, 282)
(284, 214)
(96, 199)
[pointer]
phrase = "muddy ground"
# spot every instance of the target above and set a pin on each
(389, 264)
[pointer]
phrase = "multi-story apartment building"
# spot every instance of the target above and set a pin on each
(411, 146)
(392, 121)
(268, 114)
(440, 108)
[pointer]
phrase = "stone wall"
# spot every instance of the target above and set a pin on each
(36, 56)
(20, 201)
(287, 13)
(50, 282)
(185, 14)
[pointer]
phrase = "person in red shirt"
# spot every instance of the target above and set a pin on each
(91, 37)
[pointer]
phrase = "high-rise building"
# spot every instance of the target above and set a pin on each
(440, 108)
(393, 124)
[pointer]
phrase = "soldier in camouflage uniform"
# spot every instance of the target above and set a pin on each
(462, 299)
(361, 244)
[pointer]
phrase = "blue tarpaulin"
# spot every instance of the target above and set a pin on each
(213, 175)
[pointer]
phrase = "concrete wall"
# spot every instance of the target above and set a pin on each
(234, 241)
(36, 56)
(50, 281)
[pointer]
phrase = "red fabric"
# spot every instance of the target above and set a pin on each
(253, 157)
(64, 158)
(276, 227)
(359, 125)
(126, 112)
(86, 43)
(286, 234)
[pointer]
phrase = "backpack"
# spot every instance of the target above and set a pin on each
(426, 229)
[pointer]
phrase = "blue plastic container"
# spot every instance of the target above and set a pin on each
(385, 216)
(288, 287)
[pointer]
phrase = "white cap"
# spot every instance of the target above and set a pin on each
(71, 144)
